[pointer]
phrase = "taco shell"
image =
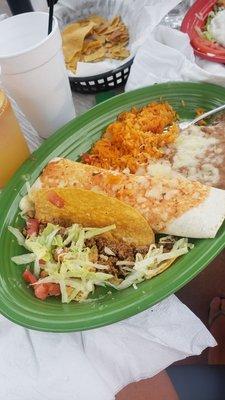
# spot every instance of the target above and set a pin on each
(71, 205)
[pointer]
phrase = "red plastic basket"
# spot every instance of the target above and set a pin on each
(196, 17)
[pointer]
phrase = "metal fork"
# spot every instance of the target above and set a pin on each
(186, 124)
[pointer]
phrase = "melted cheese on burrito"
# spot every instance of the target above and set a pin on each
(160, 201)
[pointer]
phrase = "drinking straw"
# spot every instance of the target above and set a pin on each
(50, 16)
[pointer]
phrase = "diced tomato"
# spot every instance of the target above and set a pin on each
(32, 226)
(55, 199)
(54, 289)
(86, 158)
(41, 291)
(29, 277)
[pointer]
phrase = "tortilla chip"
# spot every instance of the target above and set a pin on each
(117, 52)
(88, 40)
(108, 45)
(99, 38)
(115, 21)
(90, 46)
(101, 30)
(97, 55)
(92, 209)
(72, 65)
(73, 38)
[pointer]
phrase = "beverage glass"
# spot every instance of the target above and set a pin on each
(33, 70)
(13, 147)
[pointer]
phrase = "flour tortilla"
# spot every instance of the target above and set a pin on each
(173, 206)
(202, 221)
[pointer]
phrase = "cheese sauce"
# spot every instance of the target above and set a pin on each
(197, 154)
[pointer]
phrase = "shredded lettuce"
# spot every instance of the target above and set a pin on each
(26, 205)
(47, 235)
(72, 234)
(67, 261)
(207, 31)
(73, 269)
(24, 259)
(58, 241)
(18, 235)
(91, 232)
(41, 245)
(149, 266)
(37, 267)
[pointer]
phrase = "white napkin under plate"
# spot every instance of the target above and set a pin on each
(96, 364)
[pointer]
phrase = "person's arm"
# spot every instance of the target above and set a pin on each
(159, 387)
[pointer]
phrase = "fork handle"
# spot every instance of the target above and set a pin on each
(207, 114)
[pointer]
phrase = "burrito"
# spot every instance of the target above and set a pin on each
(174, 206)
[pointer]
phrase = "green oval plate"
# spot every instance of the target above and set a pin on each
(17, 301)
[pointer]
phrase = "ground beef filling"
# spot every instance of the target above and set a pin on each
(104, 251)
(117, 256)
(110, 252)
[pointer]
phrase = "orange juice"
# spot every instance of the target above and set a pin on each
(13, 147)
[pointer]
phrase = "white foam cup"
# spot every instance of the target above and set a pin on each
(33, 71)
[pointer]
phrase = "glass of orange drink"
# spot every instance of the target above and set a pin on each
(13, 148)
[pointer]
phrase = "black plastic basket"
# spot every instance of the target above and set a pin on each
(102, 82)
